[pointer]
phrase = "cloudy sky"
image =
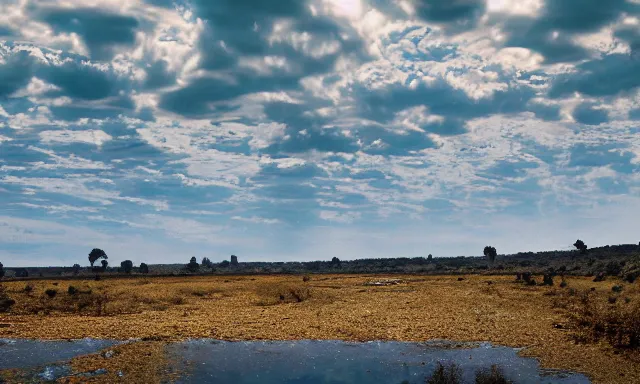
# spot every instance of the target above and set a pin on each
(306, 129)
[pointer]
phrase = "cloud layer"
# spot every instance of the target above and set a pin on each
(310, 129)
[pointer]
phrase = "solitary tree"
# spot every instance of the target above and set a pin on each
(96, 254)
(105, 264)
(581, 246)
(490, 253)
(335, 262)
(1, 270)
(144, 268)
(126, 266)
(193, 265)
(76, 269)
(429, 258)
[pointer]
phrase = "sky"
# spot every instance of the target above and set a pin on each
(285, 130)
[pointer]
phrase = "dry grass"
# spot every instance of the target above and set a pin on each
(272, 293)
(603, 317)
(337, 307)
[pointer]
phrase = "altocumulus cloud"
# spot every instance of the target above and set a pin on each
(312, 128)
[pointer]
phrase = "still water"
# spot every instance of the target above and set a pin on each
(338, 362)
(292, 362)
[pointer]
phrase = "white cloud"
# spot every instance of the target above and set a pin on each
(256, 220)
(90, 136)
(339, 217)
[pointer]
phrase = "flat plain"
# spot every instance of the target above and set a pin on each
(346, 307)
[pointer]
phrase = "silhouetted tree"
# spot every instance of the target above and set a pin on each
(144, 268)
(224, 263)
(234, 260)
(490, 253)
(96, 253)
(206, 262)
(193, 265)
(76, 269)
(126, 266)
(430, 258)
(1, 270)
(105, 264)
(335, 262)
(580, 245)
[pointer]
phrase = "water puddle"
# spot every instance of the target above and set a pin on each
(304, 361)
(19, 353)
(336, 362)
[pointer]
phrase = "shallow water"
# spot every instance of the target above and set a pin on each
(20, 353)
(337, 362)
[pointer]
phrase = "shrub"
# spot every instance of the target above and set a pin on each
(445, 374)
(72, 290)
(494, 375)
(306, 278)
(613, 269)
(28, 288)
(563, 284)
(599, 277)
(612, 299)
(617, 288)
(51, 292)
(630, 277)
(5, 302)
(618, 323)
(547, 279)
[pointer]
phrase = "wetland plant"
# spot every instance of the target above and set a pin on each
(493, 375)
(445, 374)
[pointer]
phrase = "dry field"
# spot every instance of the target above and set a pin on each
(477, 308)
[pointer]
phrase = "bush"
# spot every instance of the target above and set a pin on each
(28, 288)
(599, 277)
(5, 302)
(563, 284)
(617, 322)
(306, 278)
(547, 279)
(72, 290)
(445, 374)
(51, 292)
(494, 375)
(617, 288)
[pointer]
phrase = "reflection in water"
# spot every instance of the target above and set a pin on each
(336, 362)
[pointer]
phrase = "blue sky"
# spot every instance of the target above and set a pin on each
(158, 130)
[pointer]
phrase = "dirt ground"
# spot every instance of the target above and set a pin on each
(419, 308)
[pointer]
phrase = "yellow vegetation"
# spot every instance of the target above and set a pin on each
(332, 307)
